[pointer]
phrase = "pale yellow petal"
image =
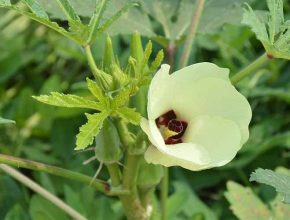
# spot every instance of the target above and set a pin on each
(219, 137)
(186, 152)
(153, 155)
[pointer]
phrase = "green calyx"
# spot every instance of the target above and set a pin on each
(149, 174)
(108, 145)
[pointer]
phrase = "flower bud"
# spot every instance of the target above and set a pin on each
(109, 57)
(108, 143)
(136, 47)
(149, 174)
(139, 146)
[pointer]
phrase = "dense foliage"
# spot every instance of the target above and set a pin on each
(36, 60)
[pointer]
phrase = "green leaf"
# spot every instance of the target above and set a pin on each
(44, 21)
(280, 182)
(157, 61)
(5, 2)
(129, 114)
(245, 204)
(258, 27)
(164, 10)
(275, 39)
(78, 31)
(68, 10)
(36, 8)
(180, 203)
(95, 90)
(276, 18)
(121, 99)
(278, 93)
(146, 56)
(280, 210)
(132, 21)
(40, 208)
(96, 18)
(72, 198)
(175, 16)
(89, 130)
(6, 121)
(69, 101)
(117, 15)
(16, 213)
(218, 13)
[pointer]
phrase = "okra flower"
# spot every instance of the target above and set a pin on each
(196, 118)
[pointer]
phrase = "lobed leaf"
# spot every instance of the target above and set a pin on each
(44, 21)
(257, 25)
(276, 18)
(95, 89)
(274, 33)
(36, 8)
(89, 130)
(122, 98)
(146, 55)
(69, 101)
(130, 115)
(157, 61)
(95, 19)
(245, 204)
(68, 10)
(280, 182)
(113, 18)
(78, 31)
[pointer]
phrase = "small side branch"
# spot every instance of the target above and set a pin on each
(191, 33)
(100, 185)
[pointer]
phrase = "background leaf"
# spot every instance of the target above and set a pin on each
(280, 182)
(36, 8)
(6, 121)
(245, 204)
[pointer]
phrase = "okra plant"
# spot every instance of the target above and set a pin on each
(155, 112)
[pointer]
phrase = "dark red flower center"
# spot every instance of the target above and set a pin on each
(171, 128)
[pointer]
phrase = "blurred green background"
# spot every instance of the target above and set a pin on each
(36, 60)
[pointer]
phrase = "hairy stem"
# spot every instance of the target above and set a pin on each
(57, 171)
(164, 193)
(191, 33)
(251, 68)
(40, 190)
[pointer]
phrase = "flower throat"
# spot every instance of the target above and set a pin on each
(171, 128)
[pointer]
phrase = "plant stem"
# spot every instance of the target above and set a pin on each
(124, 133)
(91, 61)
(114, 172)
(131, 202)
(43, 192)
(164, 193)
(191, 33)
(57, 171)
(252, 67)
(171, 49)
(131, 171)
